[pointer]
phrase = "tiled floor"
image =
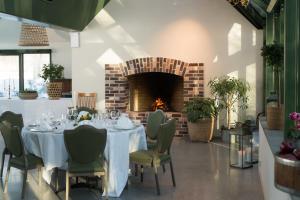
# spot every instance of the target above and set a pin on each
(202, 172)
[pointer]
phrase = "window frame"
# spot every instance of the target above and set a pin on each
(20, 53)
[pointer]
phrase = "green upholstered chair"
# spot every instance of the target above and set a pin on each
(18, 159)
(15, 120)
(154, 120)
(85, 146)
(160, 155)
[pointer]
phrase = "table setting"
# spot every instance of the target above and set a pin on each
(44, 138)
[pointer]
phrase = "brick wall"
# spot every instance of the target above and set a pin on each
(117, 89)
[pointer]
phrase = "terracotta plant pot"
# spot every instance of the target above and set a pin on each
(275, 117)
(202, 130)
(54, 90)
(28, 95)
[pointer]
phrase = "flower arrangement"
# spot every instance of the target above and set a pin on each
(294, 116)
(85, 116)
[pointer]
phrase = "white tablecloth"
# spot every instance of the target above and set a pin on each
(32, 109)
(50, 147)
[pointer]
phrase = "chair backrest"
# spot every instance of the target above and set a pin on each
(154, 120)
(86, 100)
(85, 143)
(12, 138)
(13, 118)
(165, 136)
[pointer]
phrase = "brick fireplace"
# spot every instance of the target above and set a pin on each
(133, 87)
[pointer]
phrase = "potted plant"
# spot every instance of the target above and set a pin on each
(228, 91)
(273, 54)
(52, 73)
(200, 116)
(28, 94)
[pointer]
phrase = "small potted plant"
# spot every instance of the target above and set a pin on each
(28, 94)
(52, 75)
(200, 116)
(273, 54)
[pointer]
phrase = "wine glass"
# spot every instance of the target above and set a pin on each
(114, 114)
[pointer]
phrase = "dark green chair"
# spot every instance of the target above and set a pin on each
(154, 120)
(160, 155)
(15, 120)
(85, 146)
(18, 159)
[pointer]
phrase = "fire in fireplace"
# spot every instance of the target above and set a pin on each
(159, 104)
(155, 90)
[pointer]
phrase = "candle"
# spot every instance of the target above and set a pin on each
(241, 157)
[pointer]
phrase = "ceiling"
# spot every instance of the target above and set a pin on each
(255, 12)
(72, 15)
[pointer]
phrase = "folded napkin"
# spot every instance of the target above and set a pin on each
(124, 123)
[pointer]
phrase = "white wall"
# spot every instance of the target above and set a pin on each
(59, 42)
(208, 31)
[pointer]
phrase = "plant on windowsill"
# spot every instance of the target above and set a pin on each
(28, 94)
(52, 75)
(229, 91)
(273, 54)
(200, 115)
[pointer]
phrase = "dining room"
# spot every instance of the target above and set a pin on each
(138, 99)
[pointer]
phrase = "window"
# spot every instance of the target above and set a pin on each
(20, 69)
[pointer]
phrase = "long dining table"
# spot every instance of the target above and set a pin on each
(49, 145)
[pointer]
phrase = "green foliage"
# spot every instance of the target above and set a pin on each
(228, 91)
(28, 91)
(199, 108)
(52, 72)
(273, 53)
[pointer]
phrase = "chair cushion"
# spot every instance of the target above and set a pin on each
(146, 157)
(95, 166)
(33, 162)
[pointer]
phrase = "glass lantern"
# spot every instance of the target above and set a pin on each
(240, 148)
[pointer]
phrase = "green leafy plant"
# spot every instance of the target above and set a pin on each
(228, 91)
(274, 56)
(52, 72)
(28, 91)
(200, 108)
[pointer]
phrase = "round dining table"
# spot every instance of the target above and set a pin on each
(49, 145)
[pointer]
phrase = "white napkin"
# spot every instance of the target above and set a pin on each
(45, 127)
(124, 123)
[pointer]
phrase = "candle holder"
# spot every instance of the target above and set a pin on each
(240, 148)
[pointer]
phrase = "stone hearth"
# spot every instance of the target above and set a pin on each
(117, 90)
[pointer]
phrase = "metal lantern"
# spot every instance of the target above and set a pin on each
(240, 148)
(33, 35)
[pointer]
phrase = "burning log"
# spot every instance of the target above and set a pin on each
(159, 104)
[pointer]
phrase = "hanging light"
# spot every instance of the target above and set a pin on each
(242, 2)
(33, 35)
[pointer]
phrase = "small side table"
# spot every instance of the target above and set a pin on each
(240, 148)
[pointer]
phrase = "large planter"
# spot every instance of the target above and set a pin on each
(287, 175)
(28, 95)
(54, 90)
(202, 130)
(275, 117)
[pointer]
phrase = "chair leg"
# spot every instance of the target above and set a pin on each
(6, 178)
(24, 183)
(40, 175)
(156, 180)
(106, 185)
(136, 169)
(142, 173)
(67, 185)
(2, 163)
(164, 168)
(172, 173)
